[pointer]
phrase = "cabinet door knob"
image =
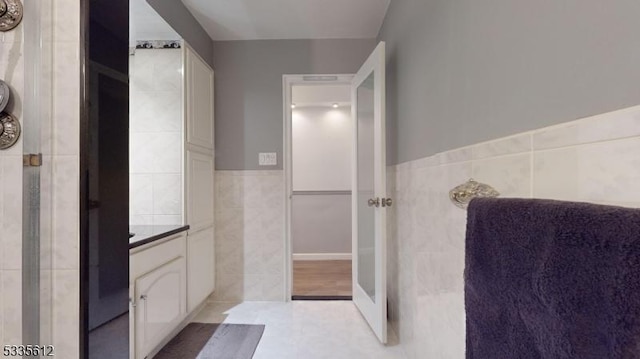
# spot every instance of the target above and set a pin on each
(143, 297)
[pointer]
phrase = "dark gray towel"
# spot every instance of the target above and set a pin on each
(552, 280)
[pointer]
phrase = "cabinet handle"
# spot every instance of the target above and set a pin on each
(143, 297)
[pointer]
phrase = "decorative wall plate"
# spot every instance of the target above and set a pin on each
(9, 132)
(5, 93)
(10, 14)
(463, 194)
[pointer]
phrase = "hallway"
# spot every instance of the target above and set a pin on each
(307, 329)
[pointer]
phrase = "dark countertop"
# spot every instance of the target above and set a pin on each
(147, 234)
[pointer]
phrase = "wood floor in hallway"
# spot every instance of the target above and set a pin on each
(322, 278)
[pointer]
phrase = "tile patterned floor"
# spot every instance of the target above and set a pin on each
(306, 329)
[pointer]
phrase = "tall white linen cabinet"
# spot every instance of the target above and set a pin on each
(199, 150)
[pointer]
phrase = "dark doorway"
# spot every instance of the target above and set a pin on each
(104, 168)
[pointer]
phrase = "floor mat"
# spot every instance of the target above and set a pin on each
(213, 341)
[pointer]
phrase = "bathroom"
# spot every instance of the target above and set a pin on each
(537, 100)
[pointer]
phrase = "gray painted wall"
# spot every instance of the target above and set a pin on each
(249, 90)
(183, 22)
(321, 223)
(461, 72)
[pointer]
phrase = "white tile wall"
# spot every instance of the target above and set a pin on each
(594, 159)
(59, 173)
(12, 72)
(249, 235)
(65, 178)
(156, 137)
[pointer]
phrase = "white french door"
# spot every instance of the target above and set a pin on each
(369, 199)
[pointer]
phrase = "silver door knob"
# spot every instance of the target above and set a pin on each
(374, 202)
(387, 202)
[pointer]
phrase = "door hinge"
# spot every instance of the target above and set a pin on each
(32, 160)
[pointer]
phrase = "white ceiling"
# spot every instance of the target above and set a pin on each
(146, 24)
(289, 19)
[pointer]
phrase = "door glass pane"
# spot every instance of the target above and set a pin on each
(366, 213)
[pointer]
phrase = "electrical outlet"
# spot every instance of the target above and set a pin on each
(267, 159)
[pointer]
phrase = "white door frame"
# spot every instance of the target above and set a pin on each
(288, 81)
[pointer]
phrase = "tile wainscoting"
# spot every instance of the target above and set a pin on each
(596, 159)
(250, 236)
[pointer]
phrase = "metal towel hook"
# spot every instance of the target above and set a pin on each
(464, 193)
(10, 14)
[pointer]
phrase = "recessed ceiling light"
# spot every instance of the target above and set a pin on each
(293, 105)
(335, 105)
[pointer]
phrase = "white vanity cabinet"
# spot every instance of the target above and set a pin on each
(158, 277)
(161, 303)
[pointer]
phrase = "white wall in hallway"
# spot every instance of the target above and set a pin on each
(322, 138)
(593, 159)
(321, 223)
(321, 148)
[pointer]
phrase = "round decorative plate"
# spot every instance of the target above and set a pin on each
(10, 130)
(4, 94)
(10, 14)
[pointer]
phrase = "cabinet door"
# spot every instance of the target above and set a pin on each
(161, 297)
(200, 267)
(199, 190)
(199, 101)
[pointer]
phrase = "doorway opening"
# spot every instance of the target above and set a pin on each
(319, 142)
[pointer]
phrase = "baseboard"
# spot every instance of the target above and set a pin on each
(321, 256)
(321, 297)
